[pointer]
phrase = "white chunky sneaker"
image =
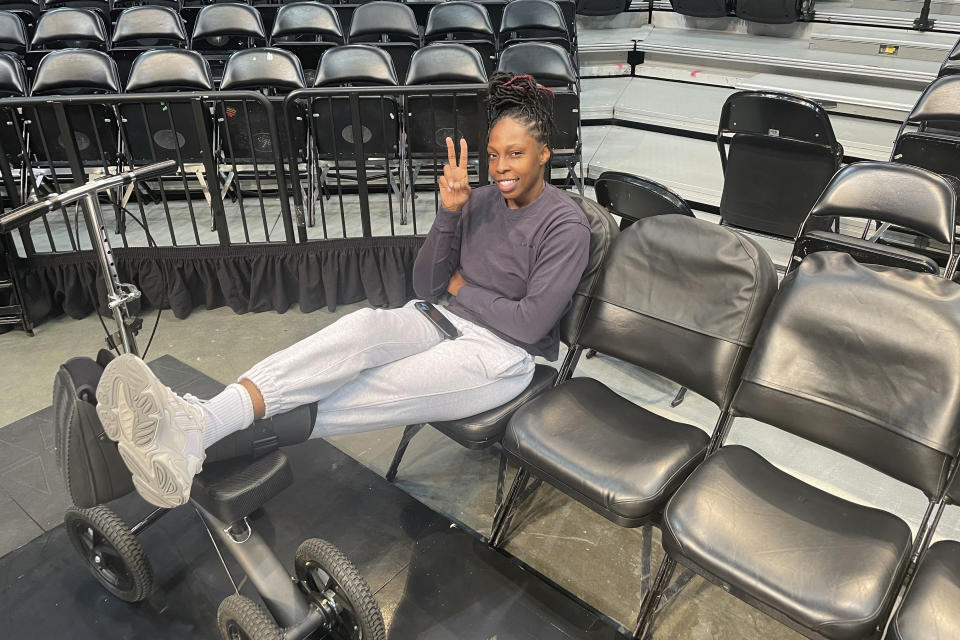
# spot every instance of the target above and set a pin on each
(159, 434)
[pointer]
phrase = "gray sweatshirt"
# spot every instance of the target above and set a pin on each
(522, 265)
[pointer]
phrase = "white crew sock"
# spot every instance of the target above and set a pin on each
(227, 412)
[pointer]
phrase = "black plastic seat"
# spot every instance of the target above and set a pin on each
(634, 198)
(782, 153)
(246, 134)
(617, 458)
(224, 28)
(601, 7)
(552, 67)
(534, 20)
(904, 197)
(94, 126)
(333, 127)
(13, 35)
(390, 26)
(702, 8)
(817, 562)
(487, 428)
(823, 562)
(432, 118)
(145, 28)
(233, 489)
(773, 11)
(464, 22)
(929, 135)
(155, 131)
(306, 29)
(13, 83)
(69, 28)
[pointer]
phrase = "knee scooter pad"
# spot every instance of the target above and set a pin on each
(89, 462)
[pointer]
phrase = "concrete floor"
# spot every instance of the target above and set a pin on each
(589, 556)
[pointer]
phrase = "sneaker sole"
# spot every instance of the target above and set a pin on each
(133, 408)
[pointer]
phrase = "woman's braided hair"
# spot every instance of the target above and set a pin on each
(520, 97)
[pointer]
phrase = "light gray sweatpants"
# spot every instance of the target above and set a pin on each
(377, 368)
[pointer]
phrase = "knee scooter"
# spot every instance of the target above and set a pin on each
(326, 598)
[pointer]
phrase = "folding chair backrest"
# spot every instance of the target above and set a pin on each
(13, 35)
(465, 22)
(146, 26)
(72, 71)
(937, 118)
(552, 67)
(603, 231)
(683, 298)
(263, 68)
(308, 20)
(634, 198)
(702, 8)
(68, 28)
(862, 360)
(13, 78)
(781, 155)
(13, 83)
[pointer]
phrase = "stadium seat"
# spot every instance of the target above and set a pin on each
(786, 139)
(552, 67)
(13, 84)
(307, 29)
(601, 7)
(909, 198)
(93, 126)
(69, 28)
(390, 26)
(817, 562)
(145, 28)
(246, 135)
(534, 21)
(464, 22)
(13, 35)
(222, 29)
(634, 198)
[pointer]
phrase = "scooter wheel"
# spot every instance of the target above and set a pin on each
(112, 553)
(335, 585)
(240, 618)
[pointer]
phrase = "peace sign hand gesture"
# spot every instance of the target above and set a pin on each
(454, 183)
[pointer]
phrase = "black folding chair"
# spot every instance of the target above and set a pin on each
(635, 198)
(552, 67)
(65, 28)
(13, 35)
(486, 429)
(774, 11)
(601, 7)
(534, 21)
(464, 22)
(896, 196)
(782, 153)
(860, 360)
(14, 169)
(222, 29)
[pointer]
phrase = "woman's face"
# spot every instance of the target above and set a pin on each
(516, 162)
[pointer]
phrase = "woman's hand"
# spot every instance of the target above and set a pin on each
(456, 282)
(454, 183)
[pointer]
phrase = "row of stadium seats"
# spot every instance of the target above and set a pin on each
(765, 11)
(306, 27)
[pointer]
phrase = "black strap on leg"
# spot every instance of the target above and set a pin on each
(266, 435)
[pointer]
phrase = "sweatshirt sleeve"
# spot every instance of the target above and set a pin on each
(439, 256)
(556, 274)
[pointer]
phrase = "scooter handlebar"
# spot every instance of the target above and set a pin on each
(26, 214)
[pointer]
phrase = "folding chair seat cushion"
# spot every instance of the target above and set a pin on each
(484, 429)
(821, 561)
(802, 169)
(930, 610)
(614, 456)
(701, 8)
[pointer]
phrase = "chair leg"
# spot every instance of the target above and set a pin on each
(500, 518)
(652, 601)
(678, 399)
(409, 431)
(501, 478)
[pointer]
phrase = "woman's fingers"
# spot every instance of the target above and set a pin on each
(463, 154)
(451, 153)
